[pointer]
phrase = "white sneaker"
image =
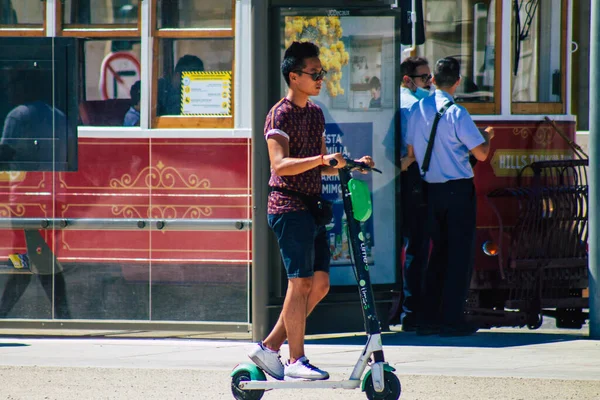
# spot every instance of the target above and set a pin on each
(302, 369)
(268, 360)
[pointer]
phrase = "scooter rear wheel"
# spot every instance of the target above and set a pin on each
(390, 392)
(239, 394)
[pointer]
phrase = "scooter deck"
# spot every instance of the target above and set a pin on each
(299, 384)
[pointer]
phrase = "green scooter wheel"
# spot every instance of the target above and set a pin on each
(240, 394)
(390, 392)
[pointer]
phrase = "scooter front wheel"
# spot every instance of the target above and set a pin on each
(240, 394)
(390, 392)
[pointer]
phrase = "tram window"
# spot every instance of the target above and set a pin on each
(109, 69)
(186, 14)
(466, 30)
(21, 12)
(538, 53)
(191, 56)
(100, 12)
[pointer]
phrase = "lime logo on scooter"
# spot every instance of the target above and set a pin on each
(363, 250)
(363, 294)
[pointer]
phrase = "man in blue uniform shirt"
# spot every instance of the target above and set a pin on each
(416, 81)
(451, 200)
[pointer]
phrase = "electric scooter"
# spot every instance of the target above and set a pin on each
(249, 382)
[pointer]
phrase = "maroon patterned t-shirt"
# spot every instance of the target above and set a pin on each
(304, 129)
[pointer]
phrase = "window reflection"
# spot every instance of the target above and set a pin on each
(110, 70)
(465, 30)
(188, 55)
(207, 14)
(83, 12)
(21, 12)
(536, 45)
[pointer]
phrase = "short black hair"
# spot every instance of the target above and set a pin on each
(294, 57)
(189, 63)
(410, 65)
(134, 93)
(375, 83)
(447, 72)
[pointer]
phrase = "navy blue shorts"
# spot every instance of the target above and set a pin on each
(303, 245)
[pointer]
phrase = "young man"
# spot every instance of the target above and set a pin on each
(294, 130)
(451, 200)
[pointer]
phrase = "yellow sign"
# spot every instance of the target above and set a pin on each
(206, 94)
(12, 176)
(507, 162)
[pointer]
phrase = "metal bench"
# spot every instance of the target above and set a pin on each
(545, 262)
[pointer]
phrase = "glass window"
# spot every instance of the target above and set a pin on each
(99, 12)
(38, 109)
(110, 70)
(206, 14)
(537, 51)
(194, 71)
(202, 58)
(21, 12)
(466, 30)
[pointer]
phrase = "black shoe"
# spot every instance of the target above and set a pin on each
(409, 324)
(456, 331)
(428, 330)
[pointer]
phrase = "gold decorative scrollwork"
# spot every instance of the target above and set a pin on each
(544, 136)
(162, 212)
(126, 211)
(541, 135)
(12, 210)
(160, 177)
(197, 212)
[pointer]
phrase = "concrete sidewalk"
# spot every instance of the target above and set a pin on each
(497, 364)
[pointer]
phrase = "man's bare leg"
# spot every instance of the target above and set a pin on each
(318, 290)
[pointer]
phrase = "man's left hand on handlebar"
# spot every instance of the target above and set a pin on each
(368, 160)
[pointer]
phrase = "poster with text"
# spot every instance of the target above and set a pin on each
(206, 93)
(354, 140)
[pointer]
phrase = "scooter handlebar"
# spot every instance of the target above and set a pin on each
(351, 164)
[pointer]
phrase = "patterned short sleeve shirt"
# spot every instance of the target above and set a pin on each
(304, 128)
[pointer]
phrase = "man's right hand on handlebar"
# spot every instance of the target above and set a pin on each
(339, 157)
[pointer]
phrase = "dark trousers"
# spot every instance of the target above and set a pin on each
(416, 243)
(451, 214)
(17, 284)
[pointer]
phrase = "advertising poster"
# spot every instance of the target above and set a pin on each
(353, 140)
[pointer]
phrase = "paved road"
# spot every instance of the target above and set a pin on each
(499, 364)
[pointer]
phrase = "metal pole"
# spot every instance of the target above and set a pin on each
(594, 184)
(260, 168)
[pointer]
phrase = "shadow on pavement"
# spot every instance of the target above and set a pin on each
(483, 339)
(13, 344)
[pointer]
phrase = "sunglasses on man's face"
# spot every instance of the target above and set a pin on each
(315, 76)
(424, 77)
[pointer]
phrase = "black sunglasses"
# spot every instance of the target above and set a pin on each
(424, 77)
(315, 76)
